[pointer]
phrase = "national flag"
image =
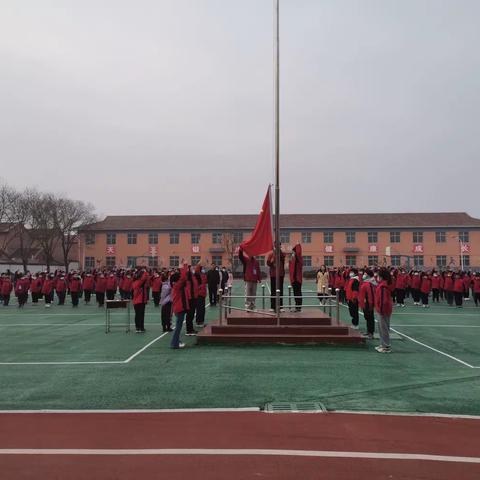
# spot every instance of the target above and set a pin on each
(261, 240)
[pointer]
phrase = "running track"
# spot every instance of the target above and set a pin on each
(305, 446)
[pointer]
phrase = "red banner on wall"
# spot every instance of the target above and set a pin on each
(418, 248)
(110, 250)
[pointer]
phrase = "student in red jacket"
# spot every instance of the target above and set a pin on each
(100, 287)
(436, 287)
(61, 289)
(448, 288)
(192, 304)
(251, 276)
(425, 288)
(6, 289)
(476, 289)
(467, 282)
(88, 287)
(458, 289)
(36, 288)
(140, 299)
(351, 291)
(200, 286)
(180, 303)
(21, 289)
(156, 284)
(384, 307)
(296, 275)
(271, 262)
(415, 287)
(366, 301)
(401, 287)
(111, 285)
(126, 286)
(75, 287)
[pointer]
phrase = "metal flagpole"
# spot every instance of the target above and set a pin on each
(277, 160)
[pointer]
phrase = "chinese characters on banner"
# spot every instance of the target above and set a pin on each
(372, 249)
(153, 251)
(110, 250)
(418, 248)
(328, 248)
(195, 248)
(465, 247)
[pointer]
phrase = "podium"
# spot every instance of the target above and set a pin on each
(116, 305)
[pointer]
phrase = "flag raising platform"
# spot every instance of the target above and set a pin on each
(260, 327)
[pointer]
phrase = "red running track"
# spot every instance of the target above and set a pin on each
(245, 430)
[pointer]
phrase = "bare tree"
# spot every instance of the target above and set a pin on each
(7, 201)
(69, 216)
(230, 246)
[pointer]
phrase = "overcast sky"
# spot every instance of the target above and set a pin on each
(166, 106)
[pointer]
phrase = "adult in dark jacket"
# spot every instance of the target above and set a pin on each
(296, 275)
(273, 279)
(213, 280)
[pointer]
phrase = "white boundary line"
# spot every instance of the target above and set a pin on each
(436, 326)
(242, 452)
(131, 357)
(143, 411)
(406, 414)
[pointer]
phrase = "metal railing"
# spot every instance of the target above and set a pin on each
(327, 303)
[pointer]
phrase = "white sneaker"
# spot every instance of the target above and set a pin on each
(47, 305)
(355, 327)
(181, 345)
(384, 350)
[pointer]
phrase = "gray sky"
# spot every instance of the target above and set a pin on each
(166, 106)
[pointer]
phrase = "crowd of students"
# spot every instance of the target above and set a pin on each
(176, 291)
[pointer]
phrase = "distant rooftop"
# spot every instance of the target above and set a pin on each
(288, 221)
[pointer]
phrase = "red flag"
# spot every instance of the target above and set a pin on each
(261, 240)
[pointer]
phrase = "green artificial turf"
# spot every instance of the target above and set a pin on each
(412, 378)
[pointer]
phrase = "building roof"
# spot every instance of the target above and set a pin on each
(288, 221)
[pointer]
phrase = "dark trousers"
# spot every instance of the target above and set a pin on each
(416, 295)
(100, 298)
(111, 294)
(6, 300)
(22, 299)
(61, 297)
(458, 299)
(88, 296)
(48, 298)
(424, 298)
(200, 311)
(74, 296)
(476, 298)
(341, 295)
(190, 315)
(435, 295)
(297, 292)
(139, 316)
(370, 319)
(400, 296)
(449, 297)
(35, 297)
(273, 298)
(213, 294)
(353, 309)
(156, 298)
(167, 316)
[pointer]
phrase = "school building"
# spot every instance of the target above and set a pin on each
(424, 240)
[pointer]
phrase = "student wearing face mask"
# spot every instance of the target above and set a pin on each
(296, 275)
(200, 286)
(166, 303)
(111, 286)
(351, 291)
(415, 287)
(425, 288)
(448, 288)
(366, 301)
(436, 287)
(383, 307)
(88, 286)
(322, 280)
(402, 282)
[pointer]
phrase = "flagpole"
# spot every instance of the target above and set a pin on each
(277, 159)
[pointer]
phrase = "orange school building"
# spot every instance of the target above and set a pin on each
(424, 240)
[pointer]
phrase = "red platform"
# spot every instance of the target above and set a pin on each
(306, 327)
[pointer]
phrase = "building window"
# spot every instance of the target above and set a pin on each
(131, 238)
(261, 260)
(440, 237)
(131, 262)
(195, 238)
(327, 237)
(153, 262)
(328, 260)
(307, 261)
(217, 260)
(350, 237)
(418, 261)
(216, 238)
(394, 237)
(195, 260)
(89, 262)
(174, 238)
(237, 237)
(372, 237)
(464, 236)
(417, 237)
(441, 260)
(90, 238)
(351, 260)
(466, 261)
(284, 237)
(153, 238)
(111, 238)
(306, 237)
(372, 260)
(175, 261)
(236, 263)
(395, 260)
(110, 262)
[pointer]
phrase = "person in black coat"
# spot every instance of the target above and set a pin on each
(213, 280)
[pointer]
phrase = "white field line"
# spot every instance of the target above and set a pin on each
(136, 410)
(426, 314)
(437, 326)
(404, 414)
(427, 346)
(128, 360)
(241, 452)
